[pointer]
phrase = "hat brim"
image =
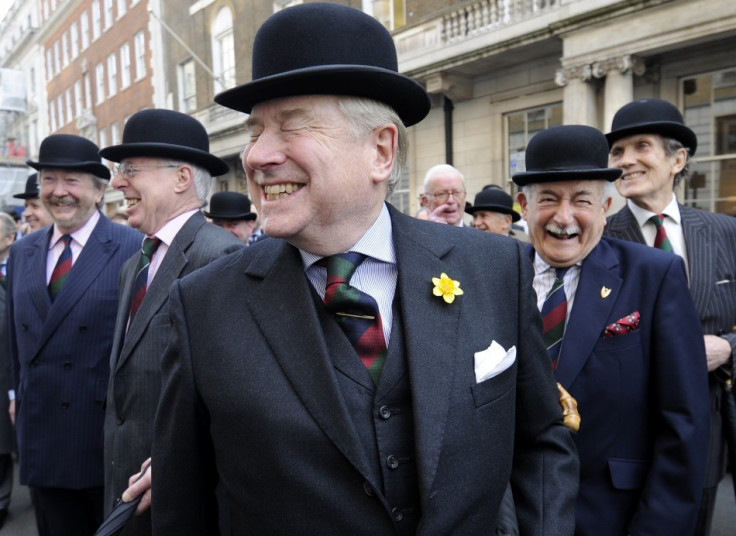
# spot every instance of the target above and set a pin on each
(531, 177)
(211, 163)
(494, 208)
(26, 195)
(668, 129)
(404, 95)
(249, 216)
(95, 168)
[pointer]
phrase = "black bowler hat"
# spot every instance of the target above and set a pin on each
(166, 134)
(67, 151)
(494, 200)
(230, 206)
(31, 188)
(327, 49)
(567, 153)
(652, 116)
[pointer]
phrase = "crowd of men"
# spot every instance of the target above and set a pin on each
(363, 371)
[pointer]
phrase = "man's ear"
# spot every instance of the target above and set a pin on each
(385, 141)
(521, 198)
(184, 178)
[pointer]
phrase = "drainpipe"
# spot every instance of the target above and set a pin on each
(448, 108)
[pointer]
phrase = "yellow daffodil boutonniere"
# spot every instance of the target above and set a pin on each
(446, 288)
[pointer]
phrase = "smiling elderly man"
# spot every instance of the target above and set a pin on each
(622, 335)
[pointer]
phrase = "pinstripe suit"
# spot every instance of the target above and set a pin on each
(135, 378)
(59, 355)
(711, 256)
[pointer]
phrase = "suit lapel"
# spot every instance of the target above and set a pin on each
(36, 266)
(430, 333)
(700, 241)
(172, 267)
(591, 308)
(624, 226)
(94, 257)
(277, 300)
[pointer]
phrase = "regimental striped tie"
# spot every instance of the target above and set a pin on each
(661, 241)
(356, 312)
(554, 314)
(62, 268)
(150, 245)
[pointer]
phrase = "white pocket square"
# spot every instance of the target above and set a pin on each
(493, 361)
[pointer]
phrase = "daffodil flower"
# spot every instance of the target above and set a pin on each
(446, 287)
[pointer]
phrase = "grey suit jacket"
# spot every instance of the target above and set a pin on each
(710, 240)
(135, 376)
(250, 397)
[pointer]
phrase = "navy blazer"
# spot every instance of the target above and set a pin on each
(250, 397)
(642, 396)
(710, 241)
(60, 354)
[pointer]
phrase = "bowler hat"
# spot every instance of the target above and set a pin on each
(567, 153)
(651, 116)
(31, 188)
(327, 49)
(494, 200)
(67, 151)
(230, 206)
(166, 134)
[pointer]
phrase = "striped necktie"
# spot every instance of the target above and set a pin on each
(356, 312)
(661, 241)
(62, 268)
(554, 314)
(150, 245)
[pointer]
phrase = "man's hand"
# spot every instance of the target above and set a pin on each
(438, 214)
(717, 351)
(11, 411)
(140, 483)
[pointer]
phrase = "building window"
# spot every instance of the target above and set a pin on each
(115, 133)
(68, 105)
(710, 111)
(139, 48)
(124, 65)
(65, 49)
(108, 14)
(87, 90)
(78, 103)
(84, 25)
(49, 65)
(390, 13)
(74, 33)
(112, 75)
(122, 8)
(187, 87)
(96, 20)
(100, 82)
(278, 5)
(102, 137)
(57, 58)
(60, 109)
(52, 115)
(223, 50)
(521, 126)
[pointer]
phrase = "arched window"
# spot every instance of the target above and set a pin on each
(223, 50)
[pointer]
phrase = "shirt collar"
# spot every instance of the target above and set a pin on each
(540, 266)
(168, 232)
(642, 215)
(376, 243)
(81, 235)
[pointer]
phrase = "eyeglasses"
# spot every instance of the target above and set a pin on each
(459, 195)
(128, 170)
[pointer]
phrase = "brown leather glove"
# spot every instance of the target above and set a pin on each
(570, 415)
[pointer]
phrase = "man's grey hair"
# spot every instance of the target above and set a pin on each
(607, 189)
(671, 146)
(202, 179)
(7, 225)
(441, 168)
(365, 115)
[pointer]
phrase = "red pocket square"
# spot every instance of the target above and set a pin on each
(622, 326)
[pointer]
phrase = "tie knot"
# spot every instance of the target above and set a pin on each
(67, 239)
(657, 220)
(150, 245)
(560, 273)
(342, 266)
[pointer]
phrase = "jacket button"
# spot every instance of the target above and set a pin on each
(65, 405)
(120, 421)
(82, 329)
(68, 365)
(398, 513)
(392, 462)
(34, 363)
(384, 412)
(24, 327)
(368, 489)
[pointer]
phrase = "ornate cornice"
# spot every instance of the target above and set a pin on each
(585, 72)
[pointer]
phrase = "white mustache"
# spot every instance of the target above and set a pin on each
(562, 231)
